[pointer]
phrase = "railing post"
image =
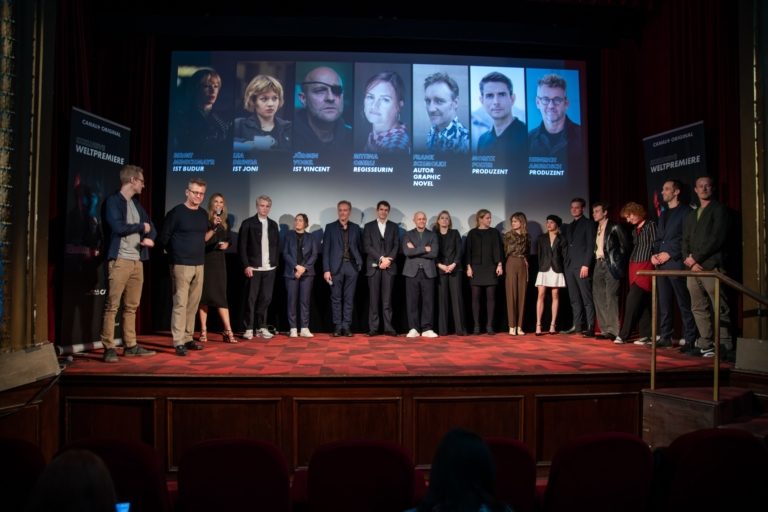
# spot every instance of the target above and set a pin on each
(654, 313)
(716, 307)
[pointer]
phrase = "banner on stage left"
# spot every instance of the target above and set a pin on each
(98, 149)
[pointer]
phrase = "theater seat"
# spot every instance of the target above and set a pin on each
(359, 476)
(233, 474)
(22, 464)
(515, 473)
(136, 469)
(610, 471)
(714, 469)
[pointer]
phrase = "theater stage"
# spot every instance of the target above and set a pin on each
(302, 392)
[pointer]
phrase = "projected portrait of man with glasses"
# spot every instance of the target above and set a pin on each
(319, 126)
(557, 135)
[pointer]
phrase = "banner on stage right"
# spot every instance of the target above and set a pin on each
(675, 154)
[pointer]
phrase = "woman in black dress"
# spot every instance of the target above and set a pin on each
(483, 256)
(215, 270)
(449, 275)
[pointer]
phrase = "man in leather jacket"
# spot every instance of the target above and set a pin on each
(611, 254)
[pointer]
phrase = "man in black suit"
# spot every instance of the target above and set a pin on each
(258, 250)
(380, 243)
(579, 261)
(342, 260)
(420, 247)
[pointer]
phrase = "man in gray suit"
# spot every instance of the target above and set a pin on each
(420, 247)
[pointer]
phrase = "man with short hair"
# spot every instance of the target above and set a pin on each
(319, 126)
(580, 237)
(668, 255)
(447, 134)
(381, 244)
(131, 234)
(420, 247)
(508, 136)
(611, 256)
(705, 233)
(557, 134)
(185, 231)
(342, 260)
(257, 247)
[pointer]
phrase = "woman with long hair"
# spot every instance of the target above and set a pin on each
(517, 247)
(449, 276)
(550, 246)
(382, 102)
(215, 270)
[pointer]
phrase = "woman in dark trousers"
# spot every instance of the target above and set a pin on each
(449, 276)
(300, 251)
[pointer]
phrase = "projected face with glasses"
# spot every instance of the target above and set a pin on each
(322, 93)
(553, 104)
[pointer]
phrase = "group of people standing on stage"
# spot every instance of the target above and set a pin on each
(590, 257)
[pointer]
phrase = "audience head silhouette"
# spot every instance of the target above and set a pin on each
(462, 478)
(75, 481)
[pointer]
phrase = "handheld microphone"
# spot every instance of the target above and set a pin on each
(218, 213)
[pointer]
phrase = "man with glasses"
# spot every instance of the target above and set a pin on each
(557, 135)
(130, 236)
(319, 126)
(185, 231)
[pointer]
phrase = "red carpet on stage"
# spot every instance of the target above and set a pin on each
(361, 356)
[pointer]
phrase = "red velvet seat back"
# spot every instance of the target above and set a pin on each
(359, 476)
(234, 474)
(22, 464)
(610, 471)
(515, 473)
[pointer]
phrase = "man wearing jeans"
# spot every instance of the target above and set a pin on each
(185, 231)
(131, 234)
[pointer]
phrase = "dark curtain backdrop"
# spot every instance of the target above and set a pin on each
(679, 67)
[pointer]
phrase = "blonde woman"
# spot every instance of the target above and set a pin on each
(215, 270)
(484, 267)
(517, 247)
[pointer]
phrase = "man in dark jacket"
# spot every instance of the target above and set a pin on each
(668, 255)
(611, 255)
(705, 233)
(579, 263)
(381, 242)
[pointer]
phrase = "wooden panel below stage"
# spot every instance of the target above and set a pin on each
(299, 414)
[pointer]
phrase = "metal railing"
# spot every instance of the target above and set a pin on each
(719, 277)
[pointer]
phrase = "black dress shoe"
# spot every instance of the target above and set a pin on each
(193, 345)
(461, 333)
(391, 333)
(346, 332)
(490, 331)
(476, 330)
(181, 350)
(336, 333)
(371, 333)
(589, 333)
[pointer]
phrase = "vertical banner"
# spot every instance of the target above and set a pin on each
(98, 149)
(675, 154)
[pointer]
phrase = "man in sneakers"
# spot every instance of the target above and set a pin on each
(130, 236)
(611, 248)
(185, 231)
(668, 255)
(705, 234)
(420, 247)
(258, 249)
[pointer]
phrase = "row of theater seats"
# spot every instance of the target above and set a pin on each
(712, 469)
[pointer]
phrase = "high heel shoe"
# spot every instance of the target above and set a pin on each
(203, 336)
(552, 329)
(538, 330)
(228, 337)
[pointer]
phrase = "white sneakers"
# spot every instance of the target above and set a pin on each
(248, 334)
(305, 333)
(264, 333)
(413, 333)
(293, 333)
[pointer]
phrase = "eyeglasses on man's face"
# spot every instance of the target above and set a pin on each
(198, 193)
(316, 87)
(556, 101)
(139, 179)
